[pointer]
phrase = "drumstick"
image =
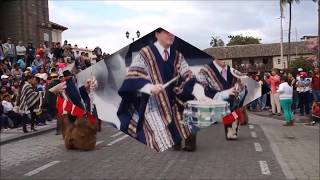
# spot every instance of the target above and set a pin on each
(171, 81)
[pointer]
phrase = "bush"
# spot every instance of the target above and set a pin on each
(301, 62)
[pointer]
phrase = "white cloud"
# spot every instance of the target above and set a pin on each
(156, 6)
(194, 22)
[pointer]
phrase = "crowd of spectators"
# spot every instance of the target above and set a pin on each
(22, 64)
(296, 89)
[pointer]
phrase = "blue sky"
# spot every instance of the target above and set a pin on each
(104, 23)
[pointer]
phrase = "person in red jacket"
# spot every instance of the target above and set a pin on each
(273, 80)
(315, 84)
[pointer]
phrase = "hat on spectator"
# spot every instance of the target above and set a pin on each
(300, 69)
(54, 75)
(67, 73)
(4, 76)
(303, 74)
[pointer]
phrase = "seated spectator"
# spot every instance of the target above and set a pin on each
(16, 72)
(42, 74)
(37, 62)
(21, 64)
(8, 111)
(15, 88)
(40, 85)
(4, 120)
(61, 64)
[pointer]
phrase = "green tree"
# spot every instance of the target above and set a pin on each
(216, 41)
(241, 40)
(301, 62)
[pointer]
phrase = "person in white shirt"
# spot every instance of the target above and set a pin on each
(21, 51)
(285, 95)
(8, 111)
(303, 89)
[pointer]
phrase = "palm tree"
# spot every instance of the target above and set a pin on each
(282, 4)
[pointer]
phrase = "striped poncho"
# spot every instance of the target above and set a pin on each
(27, 98)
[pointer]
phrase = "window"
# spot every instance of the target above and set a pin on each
(265, 60)
(251, 61)
(45, 36)
(279, 61)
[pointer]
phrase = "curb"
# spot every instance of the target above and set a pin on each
(26, 135)
(302, 121)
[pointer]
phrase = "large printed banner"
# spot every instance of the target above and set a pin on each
(123, 97)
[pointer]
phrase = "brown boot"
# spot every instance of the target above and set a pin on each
(177, 147)
(191, 143)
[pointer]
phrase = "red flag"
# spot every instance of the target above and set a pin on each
(66, 106)
(236, 114)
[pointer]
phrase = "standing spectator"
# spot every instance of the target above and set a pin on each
(98, 52)
(303, 88)
(87, 60)
(58, 52)
(47, 50)
(292, 82)
(21, 51)
(30, 54)
(256, 105)
(27, 100)
(285, 95)
(315, 85)
(67, 53)
(38, 61)
(9, 51)
(40, 51)
(273, 80)
(315, 112)
(65, 43)
(81, 64)
(1, 52)
(77, 58)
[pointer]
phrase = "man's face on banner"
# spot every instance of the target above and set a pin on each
(165, 38)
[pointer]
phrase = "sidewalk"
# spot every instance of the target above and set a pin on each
(17, 133)
(297, 117)
(295, 147)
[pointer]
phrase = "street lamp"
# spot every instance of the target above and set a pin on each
(128, 35)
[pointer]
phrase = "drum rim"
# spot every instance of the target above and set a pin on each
(195, 103)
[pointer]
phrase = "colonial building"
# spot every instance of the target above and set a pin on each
(259, 57)
(28, 21)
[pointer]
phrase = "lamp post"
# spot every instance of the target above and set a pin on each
(137, 33)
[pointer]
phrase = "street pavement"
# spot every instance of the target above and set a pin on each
(117, 156)
(296, 147)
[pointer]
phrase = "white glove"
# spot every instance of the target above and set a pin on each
(198, 92)
(224, 95)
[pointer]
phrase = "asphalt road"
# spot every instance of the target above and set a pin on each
(119, 157)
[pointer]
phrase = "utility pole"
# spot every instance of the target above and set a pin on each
(281, 32)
